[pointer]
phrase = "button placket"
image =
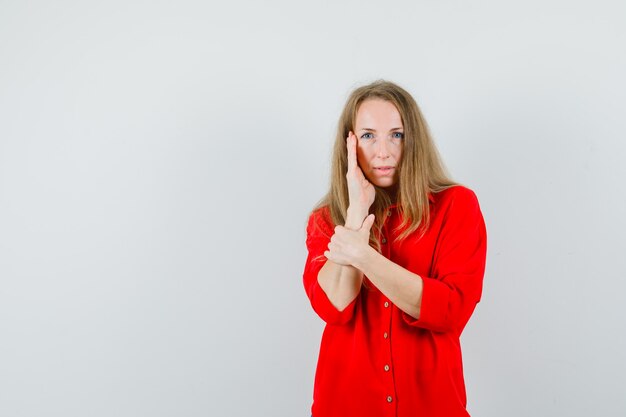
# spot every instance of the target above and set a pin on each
(383, 238)
(387, 362)
(386, 331)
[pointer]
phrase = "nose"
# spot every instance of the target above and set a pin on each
(383, 149)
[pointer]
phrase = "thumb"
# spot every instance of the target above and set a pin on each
(367, 224)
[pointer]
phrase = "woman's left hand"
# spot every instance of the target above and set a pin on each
(349, 247)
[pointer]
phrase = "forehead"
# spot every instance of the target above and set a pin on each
(378, 112)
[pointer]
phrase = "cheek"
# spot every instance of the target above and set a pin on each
(397, 152)
(361, 157)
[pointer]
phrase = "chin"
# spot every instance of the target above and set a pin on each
(385, 184)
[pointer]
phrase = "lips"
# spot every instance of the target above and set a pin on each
(384, 170)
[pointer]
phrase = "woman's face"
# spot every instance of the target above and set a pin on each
(379, 131)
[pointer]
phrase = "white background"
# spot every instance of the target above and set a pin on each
(158, 161)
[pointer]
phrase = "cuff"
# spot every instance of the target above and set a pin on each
(434, 309)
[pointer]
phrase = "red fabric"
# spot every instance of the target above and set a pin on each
(425, 373)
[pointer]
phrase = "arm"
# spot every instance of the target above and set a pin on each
(331, 287)
(401, 286)
(342, 282)
(445, 301)
(450, 295)
(334, 285)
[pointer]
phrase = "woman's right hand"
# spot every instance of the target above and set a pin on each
(361, 192)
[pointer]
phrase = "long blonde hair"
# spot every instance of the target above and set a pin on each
(420, 170)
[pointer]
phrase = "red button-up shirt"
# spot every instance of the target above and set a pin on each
(376, 360)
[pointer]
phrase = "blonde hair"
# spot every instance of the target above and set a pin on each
(420, 170)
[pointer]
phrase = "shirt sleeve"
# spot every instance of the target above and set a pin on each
(319, 233)
(450, 295)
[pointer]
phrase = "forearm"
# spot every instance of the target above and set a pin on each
(341, 283)
(354, 217)
(401, 286)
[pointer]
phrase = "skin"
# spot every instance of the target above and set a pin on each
(380, 133)
(349, 255)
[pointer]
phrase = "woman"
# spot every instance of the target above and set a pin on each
(395, 266)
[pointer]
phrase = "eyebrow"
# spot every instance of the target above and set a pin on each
(374, 130)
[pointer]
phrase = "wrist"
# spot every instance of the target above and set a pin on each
(355, 217)
(365, 260)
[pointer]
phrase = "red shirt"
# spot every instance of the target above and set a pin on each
(376, 360)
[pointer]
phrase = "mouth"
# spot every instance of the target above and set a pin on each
(384, 170)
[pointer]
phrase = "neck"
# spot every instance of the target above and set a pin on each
(390, 192)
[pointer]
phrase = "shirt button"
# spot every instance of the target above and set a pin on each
(386, 304)
(389, 213)
(386, 368)
(385, 335)
(384, 241)
(389, 399)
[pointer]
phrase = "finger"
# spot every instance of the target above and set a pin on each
(367, 224)
(351, 144)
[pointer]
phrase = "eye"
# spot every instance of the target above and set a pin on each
(367, 136)
(398, 135)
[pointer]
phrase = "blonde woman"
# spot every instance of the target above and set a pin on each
(396, 258)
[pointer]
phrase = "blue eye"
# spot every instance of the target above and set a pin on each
(398, 135)
(366, 136)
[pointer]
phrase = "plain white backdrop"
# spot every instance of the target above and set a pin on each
(158, 161)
